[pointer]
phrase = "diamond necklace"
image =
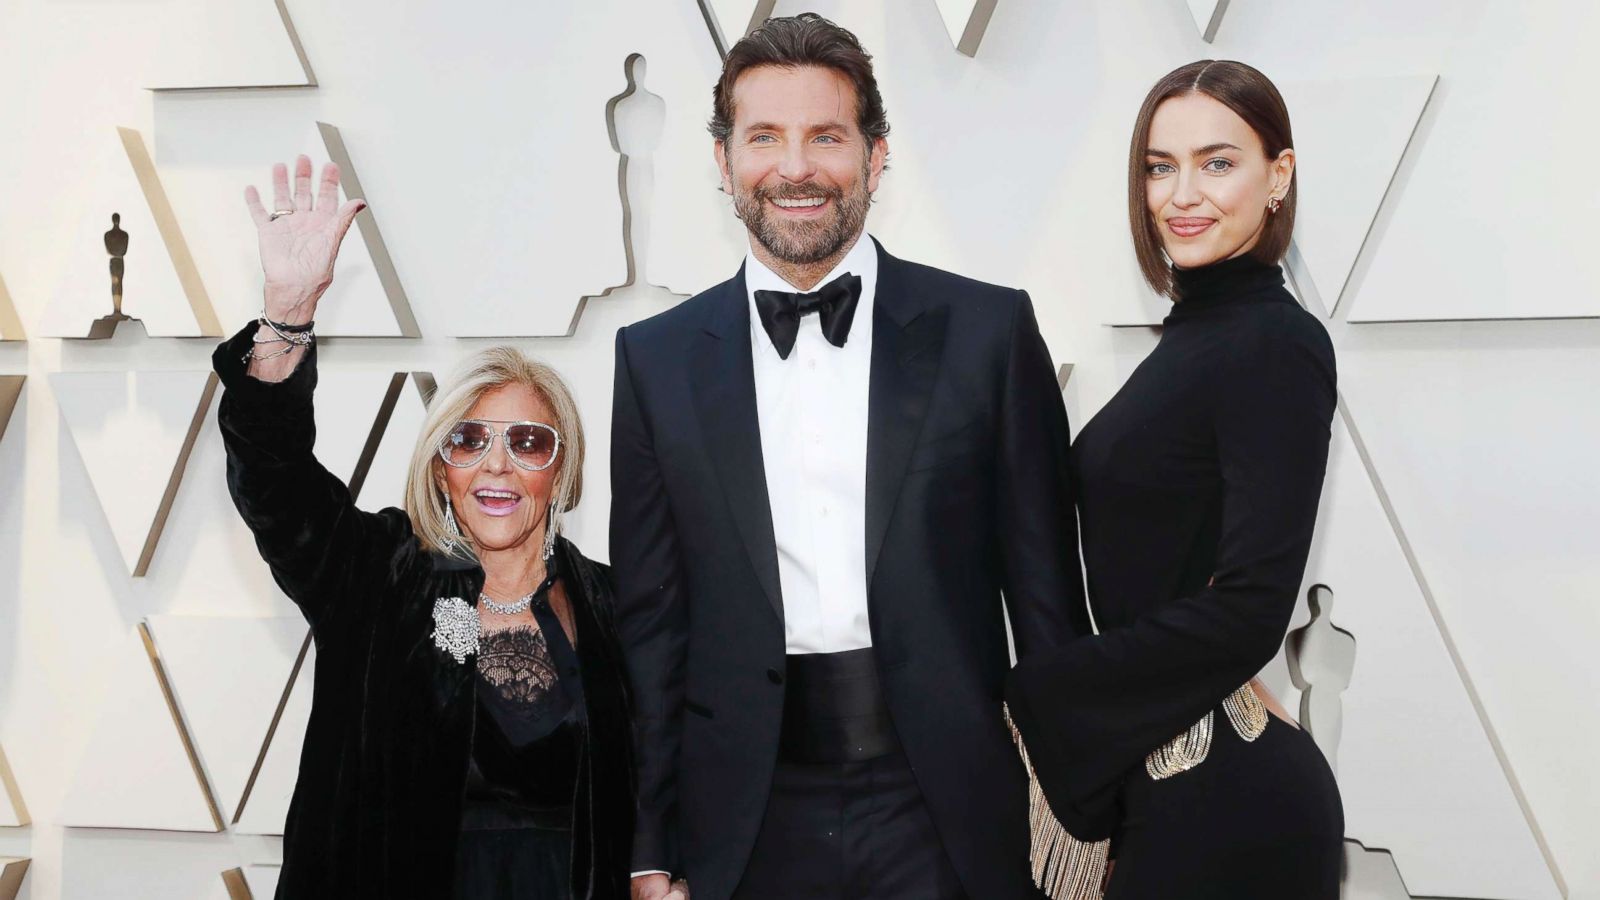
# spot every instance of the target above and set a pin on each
(517, 606)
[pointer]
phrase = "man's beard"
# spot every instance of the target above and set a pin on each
(805, 242)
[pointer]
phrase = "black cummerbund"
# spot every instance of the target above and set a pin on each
(833, 709)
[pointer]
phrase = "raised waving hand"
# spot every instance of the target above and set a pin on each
(299, 238)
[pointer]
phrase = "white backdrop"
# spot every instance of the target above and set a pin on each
(1444, 206)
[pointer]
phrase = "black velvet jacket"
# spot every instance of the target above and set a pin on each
(377, 807)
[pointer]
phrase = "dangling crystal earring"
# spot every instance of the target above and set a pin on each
(552, 527)
(451, 526)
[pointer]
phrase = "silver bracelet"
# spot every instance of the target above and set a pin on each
(251, 355)
(297, 337)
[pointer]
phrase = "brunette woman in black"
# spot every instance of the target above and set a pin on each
(1197, 486)
(469, 732)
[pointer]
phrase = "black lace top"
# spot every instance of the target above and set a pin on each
(528, 741)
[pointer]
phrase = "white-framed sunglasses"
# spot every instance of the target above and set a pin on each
(531, 445)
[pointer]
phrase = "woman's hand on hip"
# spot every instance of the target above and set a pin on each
(300, 238)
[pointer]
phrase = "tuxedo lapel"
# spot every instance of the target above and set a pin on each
(725, 401)
(907, 345)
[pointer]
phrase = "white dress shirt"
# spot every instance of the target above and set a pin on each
(813, 413)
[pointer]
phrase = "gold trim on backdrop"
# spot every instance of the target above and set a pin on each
(10, 393)
(10, 324)
(760, 11)
(293, 35)
(976, 25)
(177, 722)
(367, 224)
(155, 197)
(12, 871)
(272, 729)
(159, 523)
(238, 888)
(8, 783)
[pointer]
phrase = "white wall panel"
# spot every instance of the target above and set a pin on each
(224, 672)
(133, 431)
(1476, 236)
(1350, 136)
(136, 771)
(1417, 772)
(266, 807)
(483, 135)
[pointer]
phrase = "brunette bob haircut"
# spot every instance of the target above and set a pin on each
(1254, 98)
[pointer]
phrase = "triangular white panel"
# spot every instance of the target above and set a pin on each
(160, 284)
(263, 880)
(1418, 774)
(1208, 16)
(347, 405)
(1349, 137)
(136, 771)
(12, 870)
(13, 811)
(265, 810)
(133, 431)
(731, 20)
(10, 393)
(385, 481)
(366, 299)
(228, 676)
(243, 44)
(10, 324)
(966, 20)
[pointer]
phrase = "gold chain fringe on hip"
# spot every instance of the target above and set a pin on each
(1064, 867)
(1245, 712)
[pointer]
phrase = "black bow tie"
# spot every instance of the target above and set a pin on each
(834, 303)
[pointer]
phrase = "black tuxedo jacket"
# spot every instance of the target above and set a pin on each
(967, 499)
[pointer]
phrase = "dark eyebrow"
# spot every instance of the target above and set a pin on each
(1151, 151)
(1213, 148)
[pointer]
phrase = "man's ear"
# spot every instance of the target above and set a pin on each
(720, 149)
(876, 162)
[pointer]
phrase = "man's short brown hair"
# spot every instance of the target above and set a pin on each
(791, 42)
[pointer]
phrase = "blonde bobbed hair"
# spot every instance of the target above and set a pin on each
(478, 375)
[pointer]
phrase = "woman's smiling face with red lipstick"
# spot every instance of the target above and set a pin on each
(499, 504)
(1208, 181)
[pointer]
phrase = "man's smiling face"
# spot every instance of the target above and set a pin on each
(799, 168)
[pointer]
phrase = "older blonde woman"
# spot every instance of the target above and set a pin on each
(469, 728)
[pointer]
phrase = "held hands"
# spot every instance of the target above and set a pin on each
(300, 239)
(659, 887)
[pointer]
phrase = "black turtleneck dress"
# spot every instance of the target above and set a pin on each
(1197, 487)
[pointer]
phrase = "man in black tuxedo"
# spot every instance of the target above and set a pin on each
(814, 519)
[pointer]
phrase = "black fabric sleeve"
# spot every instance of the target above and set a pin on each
(1092, 711)
(1038, 525)
(324, 553)
(652, 618)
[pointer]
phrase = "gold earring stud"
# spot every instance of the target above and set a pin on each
(1273, 203)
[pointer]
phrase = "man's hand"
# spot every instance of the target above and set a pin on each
(652, 887)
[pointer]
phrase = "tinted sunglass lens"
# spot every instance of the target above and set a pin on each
(532, 444)
(466, 442)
